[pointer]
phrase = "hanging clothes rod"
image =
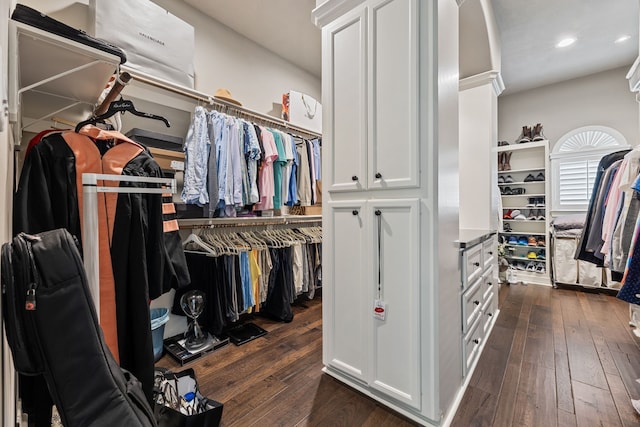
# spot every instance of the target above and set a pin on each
(216, 102)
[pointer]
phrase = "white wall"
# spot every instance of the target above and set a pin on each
(223, 59)
(599, 99)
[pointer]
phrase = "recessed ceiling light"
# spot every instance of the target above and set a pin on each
(622, 39)
(566, 42)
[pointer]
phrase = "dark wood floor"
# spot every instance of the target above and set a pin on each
(555, 357)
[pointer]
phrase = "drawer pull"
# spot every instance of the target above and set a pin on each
(354, 178)
(476, 302)
(476, 341)
(477, 264)
(490, 314)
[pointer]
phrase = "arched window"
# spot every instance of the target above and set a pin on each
(574, 163)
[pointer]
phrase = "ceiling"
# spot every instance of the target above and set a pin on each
(529, 30)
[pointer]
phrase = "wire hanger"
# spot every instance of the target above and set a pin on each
(120, 106)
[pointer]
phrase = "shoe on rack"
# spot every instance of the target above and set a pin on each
(507, 214)
(540, 216)
(500, 162)
(518, 191)
(525, 136)
(540, 268)
(501, 179)
(539, 177)
(522, 241)
(531, 266)
(539, 202)
(507, 161)
(532, 255)
(532, 202)
(512, 240)
(537, 133)
(530, 178)
(502, 143)
(541, 254)
(531, 241)
(541, 241)
(520, 265)
(507, 228)
(508, 179)
(532, 216)
(520, 217)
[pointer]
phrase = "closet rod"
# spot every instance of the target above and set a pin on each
(203, 97)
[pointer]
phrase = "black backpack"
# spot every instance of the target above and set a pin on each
(52, 330)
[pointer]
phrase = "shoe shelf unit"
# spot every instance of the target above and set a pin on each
(523, 169)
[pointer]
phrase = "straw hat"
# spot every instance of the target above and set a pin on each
(225, 95)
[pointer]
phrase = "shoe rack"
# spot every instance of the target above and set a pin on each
(523, 179)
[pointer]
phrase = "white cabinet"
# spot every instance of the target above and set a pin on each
(524, 187)
(390, 218)
(362, 233)
(478, 298)
(371, 75)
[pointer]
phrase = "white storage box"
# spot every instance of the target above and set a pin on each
(155, 41)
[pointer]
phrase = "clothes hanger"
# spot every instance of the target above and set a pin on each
(195, 240)
(120, 106)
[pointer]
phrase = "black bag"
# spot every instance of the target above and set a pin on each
(179, 403)
(52, 329)
(39, 20)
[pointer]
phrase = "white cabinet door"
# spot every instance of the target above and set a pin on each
(344, 71)
(393, 94)
(396, 339)
(346, 299)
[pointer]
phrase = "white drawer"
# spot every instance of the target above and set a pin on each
(488, 284)
(472, 304)
(472, 265)
(489, 310)
(489, 251)
(471, 346)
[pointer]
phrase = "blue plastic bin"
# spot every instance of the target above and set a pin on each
(159, 316)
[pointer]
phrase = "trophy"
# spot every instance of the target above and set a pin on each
(192, 304)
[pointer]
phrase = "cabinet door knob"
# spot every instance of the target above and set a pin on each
(490, 252)
(490, 314)
(489, 283)
(378, 175)
(354, 178)
(354, 212)
(476, 341)
(378, 212)
(476, 302)
(477, 264)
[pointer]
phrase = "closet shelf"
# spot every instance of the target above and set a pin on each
(524, 258)
(521, 233)
(522, 195)
(522, 146)
(520, 182)
(248, 222)
(525, 220)
(522, 171)
(49, 74)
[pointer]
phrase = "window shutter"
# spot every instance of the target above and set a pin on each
(576, 179)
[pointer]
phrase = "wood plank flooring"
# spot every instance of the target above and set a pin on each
(572, 360)
(556, 357)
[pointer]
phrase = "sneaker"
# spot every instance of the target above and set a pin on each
(522, 241)
(502, 143)
(540, 268)
(541, 241)
(540, 202)
(500, 179)
(506, 191)
(539, 177)
(507, 214)
(507, 228)
(541, 255)
(512, 241)
(520, 265)
(532, 202)
(532, 216)
(532, 255)
(531, 241)
(540, 216)
(531, 266)
(529, 178)
(508, 179)
(518, 191)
